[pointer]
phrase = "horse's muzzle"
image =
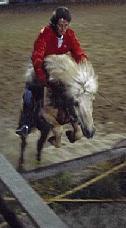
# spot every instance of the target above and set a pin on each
(88, 133)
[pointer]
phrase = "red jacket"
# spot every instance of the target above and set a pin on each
(47, 44)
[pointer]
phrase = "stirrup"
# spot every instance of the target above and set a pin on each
(23, 131)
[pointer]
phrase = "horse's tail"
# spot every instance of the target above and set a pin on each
(30, 73)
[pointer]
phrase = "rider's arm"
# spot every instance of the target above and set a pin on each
(38, 55)
(76, 51)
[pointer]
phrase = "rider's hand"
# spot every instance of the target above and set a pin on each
(84, 60)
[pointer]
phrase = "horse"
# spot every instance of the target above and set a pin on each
(68, 99)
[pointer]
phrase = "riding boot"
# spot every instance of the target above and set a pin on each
(33, 99)
(23, 130)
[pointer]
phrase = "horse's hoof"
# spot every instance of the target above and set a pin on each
(52, 140)
(38, 162)
(20, 168)
(57, 145)
(38, 158)
(78, 135)
(71, 136)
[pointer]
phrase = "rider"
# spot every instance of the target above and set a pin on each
(55, 38)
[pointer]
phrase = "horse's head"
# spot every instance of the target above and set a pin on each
(83, 106)
(83, 90)
(81, 86)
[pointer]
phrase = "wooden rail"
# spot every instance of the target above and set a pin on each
(10, 217)
(40, 214)
(76, 164)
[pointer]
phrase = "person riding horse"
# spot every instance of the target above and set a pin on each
(56, 38)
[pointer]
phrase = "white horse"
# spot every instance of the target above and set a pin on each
(81, 84)
(72, 91)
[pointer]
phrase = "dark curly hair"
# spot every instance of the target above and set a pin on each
(60, 12)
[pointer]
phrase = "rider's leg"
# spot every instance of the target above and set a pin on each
(33, 96)
(25, 116)
(38, 95)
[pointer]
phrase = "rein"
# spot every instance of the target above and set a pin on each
(106, 99)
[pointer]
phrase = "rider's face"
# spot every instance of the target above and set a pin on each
(62, 26)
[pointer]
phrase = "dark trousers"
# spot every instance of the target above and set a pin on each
(33, 98)
(36, 90)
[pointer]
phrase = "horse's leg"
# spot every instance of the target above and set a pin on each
(44, 128)
(77, 131)
(76, 134)
(56, 139)
(71, 136)
(50, 114)
(23, 146)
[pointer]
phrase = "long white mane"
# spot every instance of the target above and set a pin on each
(79, 77)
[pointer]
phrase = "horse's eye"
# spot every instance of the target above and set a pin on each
(76, 103)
